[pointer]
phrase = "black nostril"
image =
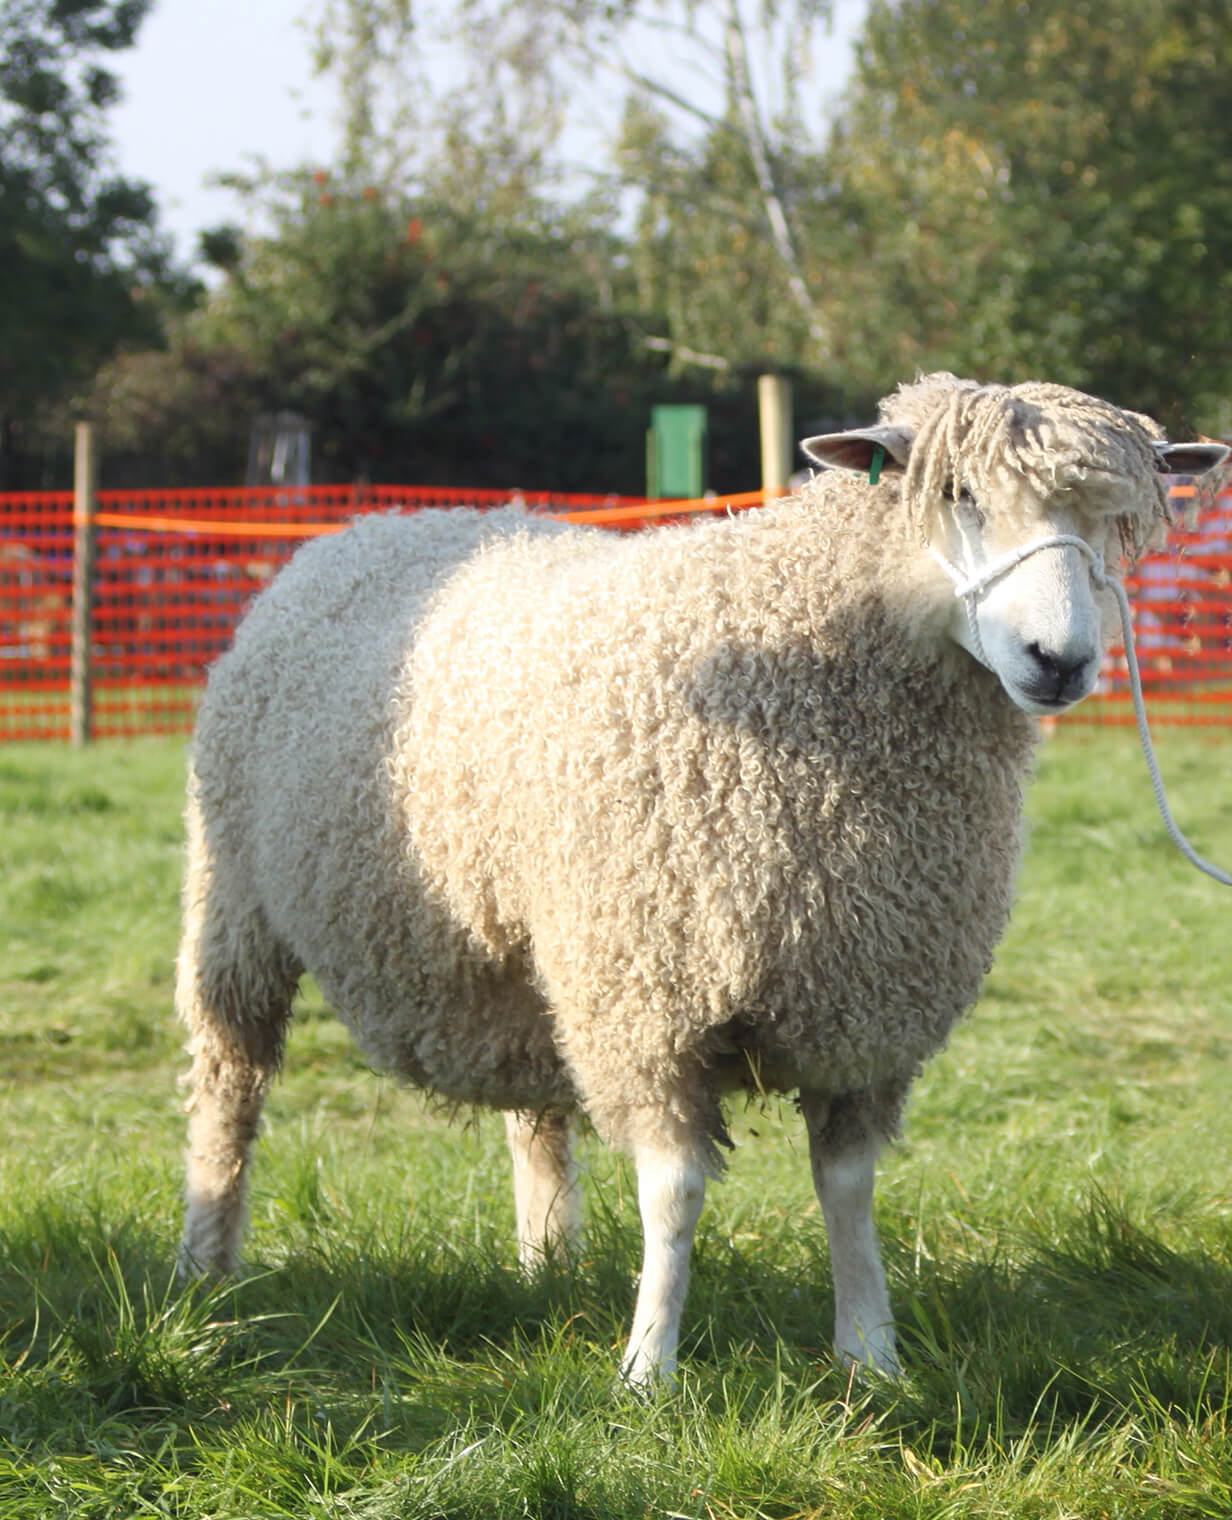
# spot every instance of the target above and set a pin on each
(1059, 673)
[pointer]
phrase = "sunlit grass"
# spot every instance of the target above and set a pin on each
(1056, 1224)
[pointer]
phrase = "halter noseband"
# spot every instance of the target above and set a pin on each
(971, 583)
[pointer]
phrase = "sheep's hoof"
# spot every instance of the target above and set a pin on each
(647, 1379)
(190, 1269)
(871, 1356)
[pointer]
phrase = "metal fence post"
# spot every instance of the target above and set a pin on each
(85, 482)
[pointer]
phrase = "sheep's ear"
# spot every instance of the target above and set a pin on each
(1189, 458)
(857, 451)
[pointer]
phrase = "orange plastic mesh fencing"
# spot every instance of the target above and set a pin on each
(36, 599)
(1181, 600)
(175, 570)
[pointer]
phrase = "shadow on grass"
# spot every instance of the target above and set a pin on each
(1102, 1318)
(1099, 1319)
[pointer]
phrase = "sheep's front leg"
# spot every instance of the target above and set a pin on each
(844, 1172)
(670, 1190)
(545, 1188)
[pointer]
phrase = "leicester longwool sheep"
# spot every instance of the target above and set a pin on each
(562, 820)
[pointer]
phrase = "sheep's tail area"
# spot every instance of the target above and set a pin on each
(234, 987)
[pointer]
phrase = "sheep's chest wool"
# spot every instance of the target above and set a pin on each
(876, 936)
(566, 820)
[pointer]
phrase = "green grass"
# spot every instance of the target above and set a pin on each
(1056, 1227)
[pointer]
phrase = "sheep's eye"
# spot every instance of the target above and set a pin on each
(967, 502)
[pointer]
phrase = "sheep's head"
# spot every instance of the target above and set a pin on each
(1022, 494)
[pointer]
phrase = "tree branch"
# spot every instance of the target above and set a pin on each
(755, 137)
(686, 355)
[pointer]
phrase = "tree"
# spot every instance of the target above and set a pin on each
(424, 342)
(82, 260)
(519, 335)
(366, 45)
(485, 139)
(723, 152)
(725, 298)
(1045, 187)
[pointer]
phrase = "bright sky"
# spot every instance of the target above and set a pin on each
(211, 84)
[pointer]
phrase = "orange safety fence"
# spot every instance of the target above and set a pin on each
(1181, 598)
(176, 568)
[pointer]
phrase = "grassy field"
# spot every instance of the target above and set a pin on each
(1056, 1225)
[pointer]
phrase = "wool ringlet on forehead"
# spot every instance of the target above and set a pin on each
(971, 436)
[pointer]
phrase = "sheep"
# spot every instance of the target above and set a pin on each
(572, 822)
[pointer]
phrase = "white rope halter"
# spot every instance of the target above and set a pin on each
(970, 585)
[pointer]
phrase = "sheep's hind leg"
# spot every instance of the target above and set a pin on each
(545, 1187)
(843, 1151)
(234, 1061)
(670, 1189)
(233, 991)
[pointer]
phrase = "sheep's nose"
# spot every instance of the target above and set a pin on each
(1060, 678)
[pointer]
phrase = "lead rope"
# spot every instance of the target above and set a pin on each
(1144, 733)
(967, 588)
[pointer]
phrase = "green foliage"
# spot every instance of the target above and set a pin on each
(1055, 1225)
(425, 340)
(711, 155)
(514, 338)
(1026, 188)
(83, 263)
(364, 43)
(1044, 187)
(700, 251)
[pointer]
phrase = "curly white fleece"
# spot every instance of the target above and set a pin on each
(556, 816)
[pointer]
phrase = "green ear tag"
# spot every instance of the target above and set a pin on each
(874, 469)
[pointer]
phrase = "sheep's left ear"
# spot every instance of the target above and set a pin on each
(1189, 458)
(857, 451)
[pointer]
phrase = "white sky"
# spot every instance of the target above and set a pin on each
(211, 84)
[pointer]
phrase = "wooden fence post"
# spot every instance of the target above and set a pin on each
(777, 443)
(85, 482)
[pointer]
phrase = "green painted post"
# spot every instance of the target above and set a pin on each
(676, 452)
